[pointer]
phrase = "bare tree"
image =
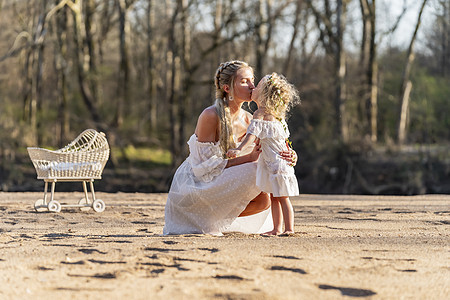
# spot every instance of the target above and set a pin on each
(61, 61)
(78, 56)
(173, 73)
(406, 85)
(107, 12)
(123, 85)
(331, 36)
(151, 70)
(91, 54)
(185, 97)
(267, 15)
(369, 62)
(439, 37)
(295, 27)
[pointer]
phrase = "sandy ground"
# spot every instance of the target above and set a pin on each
(373, 247)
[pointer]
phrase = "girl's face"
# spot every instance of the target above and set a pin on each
(256, 94)
(243, 85)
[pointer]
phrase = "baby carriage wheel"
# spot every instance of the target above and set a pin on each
(98, 205)
(54, 206)
(84, 205)
(39, 205)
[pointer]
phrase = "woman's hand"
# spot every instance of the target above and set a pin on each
(254, 155)
(290, 156)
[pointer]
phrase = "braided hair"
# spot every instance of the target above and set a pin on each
(225, 75)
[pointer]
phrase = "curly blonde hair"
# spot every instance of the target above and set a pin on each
(225, 75)
(278, 96)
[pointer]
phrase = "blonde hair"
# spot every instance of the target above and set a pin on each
(225, 75)
(278, 95)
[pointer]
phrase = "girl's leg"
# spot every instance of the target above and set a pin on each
(288, 214)
(259, 204)
(277, 217)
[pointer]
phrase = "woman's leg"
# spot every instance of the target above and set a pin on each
(288, 214)
(277, 217)
(259, 204)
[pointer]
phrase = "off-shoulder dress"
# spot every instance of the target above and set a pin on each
(274, 174)
(206, 197)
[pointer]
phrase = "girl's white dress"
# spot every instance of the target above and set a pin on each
(274, 174)
(207, 198)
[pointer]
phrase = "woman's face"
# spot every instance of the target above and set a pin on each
(257, 91)
(243, 85)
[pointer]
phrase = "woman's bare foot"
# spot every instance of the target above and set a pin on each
(272, 232)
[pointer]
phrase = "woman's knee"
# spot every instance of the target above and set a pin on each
(263, 201)
(257, 205)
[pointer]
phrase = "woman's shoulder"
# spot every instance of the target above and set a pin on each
(208, 116)
(209, 113)
(207, 125)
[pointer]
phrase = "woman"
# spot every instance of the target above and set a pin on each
(208, 191)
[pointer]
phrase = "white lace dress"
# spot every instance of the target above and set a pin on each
(274, 174)
(207, 198)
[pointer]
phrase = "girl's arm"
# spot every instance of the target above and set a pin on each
(207, 131)
(249, 138)
(252, 156)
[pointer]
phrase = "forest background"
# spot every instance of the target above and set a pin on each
(374, 78)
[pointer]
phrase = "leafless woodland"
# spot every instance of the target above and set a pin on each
(142, 71)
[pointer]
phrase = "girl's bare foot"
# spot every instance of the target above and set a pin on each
(272, 232)
(288, 233)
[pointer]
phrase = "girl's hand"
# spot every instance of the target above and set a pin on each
(232, 153)
(290, 156)
(254, 155)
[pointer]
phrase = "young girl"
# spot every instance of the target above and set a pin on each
(273, 95)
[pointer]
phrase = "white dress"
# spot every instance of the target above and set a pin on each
(207, 198)
(274, 174)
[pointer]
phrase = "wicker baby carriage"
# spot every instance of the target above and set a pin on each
(81, 160)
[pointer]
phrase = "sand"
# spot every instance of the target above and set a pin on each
(372, 247)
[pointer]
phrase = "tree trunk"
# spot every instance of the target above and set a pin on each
(295, 25)
(105, 25)
(90, 56)
(341, 70)
(445, 65)
(86, 94)
(261, 32)
(185, 97)
(123, 78)
(368, 60)
(332, 40)
(151, 72)
(61, 56)
(404, 112)
(404, 92)
(29, 97)
(38, 72)
(173, 64)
